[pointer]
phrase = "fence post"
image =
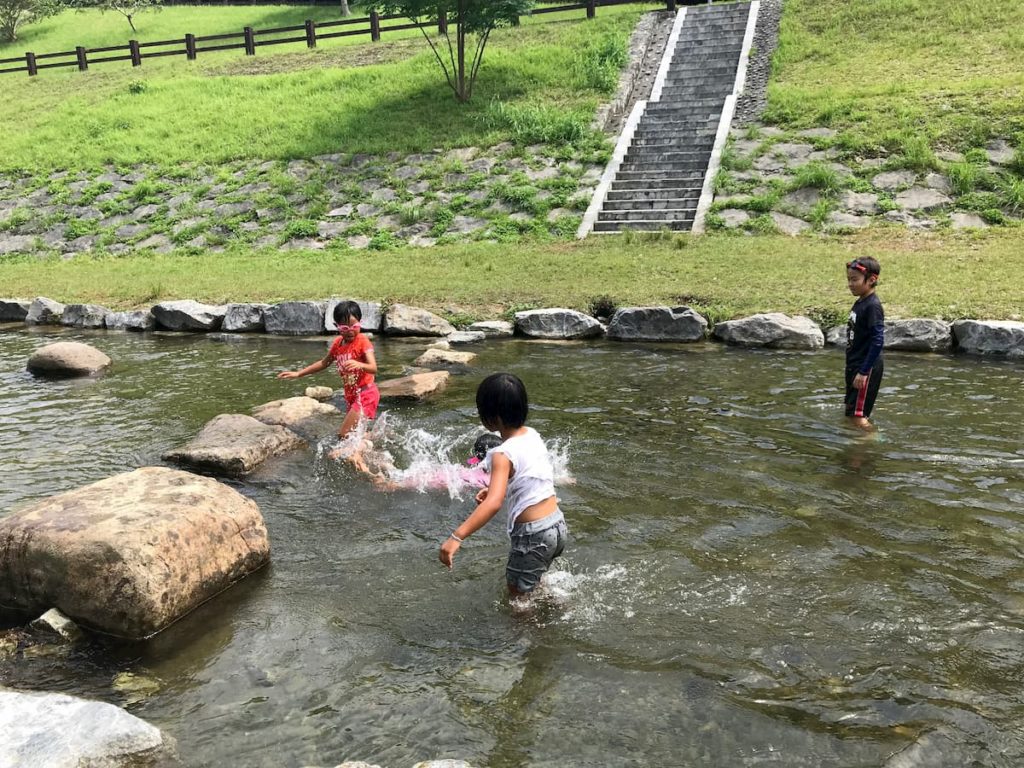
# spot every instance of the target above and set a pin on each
(591, 8)
(190, 46)
(310, 33)
(250, 42)
(30, 62)
(442, 21)
(670, 4)
(374, 26)
(133, 48)
(82, 63)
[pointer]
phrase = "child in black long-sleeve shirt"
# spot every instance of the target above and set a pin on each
(865, 337)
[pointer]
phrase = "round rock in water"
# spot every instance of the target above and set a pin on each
(67, 359)
(58, 731)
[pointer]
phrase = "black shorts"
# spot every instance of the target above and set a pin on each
(860, 402)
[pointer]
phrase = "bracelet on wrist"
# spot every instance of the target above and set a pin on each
(453, 536)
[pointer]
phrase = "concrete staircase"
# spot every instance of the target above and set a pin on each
(659, 181)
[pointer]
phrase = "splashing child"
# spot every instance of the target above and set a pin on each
(352, 354)
(521, 479)
(387, 477)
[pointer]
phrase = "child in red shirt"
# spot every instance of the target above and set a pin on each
(352, 354)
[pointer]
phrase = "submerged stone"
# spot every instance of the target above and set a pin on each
(418, 386)
(234, 444)
(444, 358)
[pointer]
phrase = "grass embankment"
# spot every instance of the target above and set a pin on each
(909, 76)
(539, 82)
(952, 277)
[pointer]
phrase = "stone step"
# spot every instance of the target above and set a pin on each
(678, 105)
(646, 226)
(707, 49)
(652, 204)
(674, 143)
(650, 214)
(659, 128)
(615, 198)
(657, 180)
(669, 157)
(687, 166)
(681, 72)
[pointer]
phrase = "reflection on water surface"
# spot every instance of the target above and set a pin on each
(747, 584)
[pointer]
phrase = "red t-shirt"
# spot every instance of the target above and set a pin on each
(340, 352)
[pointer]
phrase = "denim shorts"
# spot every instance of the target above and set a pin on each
(534, 546)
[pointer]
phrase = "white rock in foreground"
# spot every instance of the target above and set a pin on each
(58, 731)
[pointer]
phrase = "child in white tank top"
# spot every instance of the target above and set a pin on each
(522, 479)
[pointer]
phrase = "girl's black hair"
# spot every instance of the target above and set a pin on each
(501, 401)
(484, 443)
(343, 310)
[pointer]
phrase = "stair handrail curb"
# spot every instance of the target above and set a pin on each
(707, 194)
(714, 163)
(611, 170)
(666, 57)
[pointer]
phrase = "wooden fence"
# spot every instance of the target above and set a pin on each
(249, 39)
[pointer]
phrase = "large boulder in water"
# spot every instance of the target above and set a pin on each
(444, 358)
(84, 315)
(990, 337)
(918, 334)
(773, 329)
(295, 318)
(133, 320)
(234, 444)
(67, 359)
(557, 323)
(131, 554)
(189, 315)
(657, 324)
(58, 731)
(244, 318)
(44, 311)
(403, 320)
(14, 310)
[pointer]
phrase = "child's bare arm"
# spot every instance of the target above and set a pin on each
(490, 500)
(316, 367)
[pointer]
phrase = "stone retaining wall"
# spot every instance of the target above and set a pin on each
(331, 201)
(1002, 338)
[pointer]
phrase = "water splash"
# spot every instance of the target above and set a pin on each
(415, 458)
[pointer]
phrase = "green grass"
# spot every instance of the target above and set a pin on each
(904, 75)
(722, 275)
(543, 78)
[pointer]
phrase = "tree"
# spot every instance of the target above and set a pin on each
(344, 8)
(127, 8)
(16, 13)
(474, 21)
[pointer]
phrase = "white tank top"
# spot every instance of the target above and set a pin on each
(533, 478)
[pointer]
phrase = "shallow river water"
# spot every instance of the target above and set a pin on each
(747, 583)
